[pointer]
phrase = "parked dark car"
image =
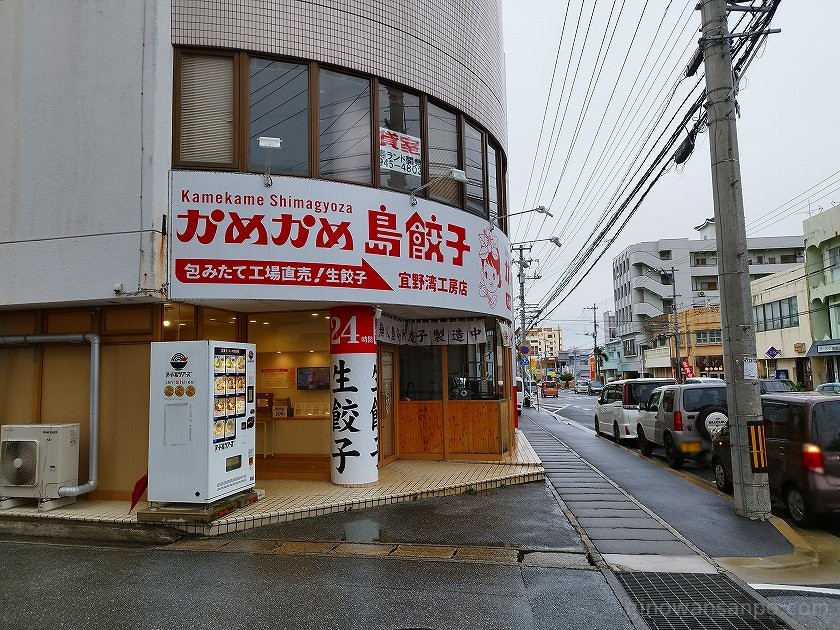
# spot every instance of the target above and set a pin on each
(802, 435)
(773, 385)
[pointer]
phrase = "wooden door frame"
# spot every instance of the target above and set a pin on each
(384, 461)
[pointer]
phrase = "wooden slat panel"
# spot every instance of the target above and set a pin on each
(307, 466)
(474, 426)
(420, 427)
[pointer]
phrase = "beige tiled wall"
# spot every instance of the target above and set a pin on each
(449, 49)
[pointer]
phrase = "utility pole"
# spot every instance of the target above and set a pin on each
(676, 323)
(752, 498)
(594, 309)
(523, 265)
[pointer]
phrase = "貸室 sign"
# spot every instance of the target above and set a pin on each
(399, 152)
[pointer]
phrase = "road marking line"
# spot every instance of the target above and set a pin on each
(792, 587)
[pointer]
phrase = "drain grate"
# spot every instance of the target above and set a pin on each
(677, 601)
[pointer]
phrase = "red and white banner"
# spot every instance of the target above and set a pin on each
(355, 413)
(306, 239)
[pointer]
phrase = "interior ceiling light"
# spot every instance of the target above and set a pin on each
(166, 322)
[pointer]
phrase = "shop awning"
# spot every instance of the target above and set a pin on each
(825, 348)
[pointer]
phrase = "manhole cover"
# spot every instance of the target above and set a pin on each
(692, 601)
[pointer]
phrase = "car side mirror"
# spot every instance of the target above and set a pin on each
(643, 406)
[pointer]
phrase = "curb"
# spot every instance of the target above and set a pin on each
(87, 531)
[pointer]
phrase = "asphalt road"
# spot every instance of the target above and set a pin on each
(500, 559)
(580, 409)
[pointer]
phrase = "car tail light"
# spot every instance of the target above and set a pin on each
(678, 426)
(812, 458)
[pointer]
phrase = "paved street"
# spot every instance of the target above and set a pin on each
(533, 556)
(506, 558)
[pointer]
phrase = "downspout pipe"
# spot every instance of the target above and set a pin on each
(93, 450)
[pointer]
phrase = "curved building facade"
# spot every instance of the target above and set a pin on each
(324, 180)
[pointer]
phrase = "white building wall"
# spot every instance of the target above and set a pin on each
(85, 118)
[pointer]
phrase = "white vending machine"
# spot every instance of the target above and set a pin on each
(202, 413)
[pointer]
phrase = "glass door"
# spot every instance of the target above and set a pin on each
(387, 401)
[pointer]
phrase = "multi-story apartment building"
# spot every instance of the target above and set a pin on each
(645, 286)
(320, 179)
(545, 342)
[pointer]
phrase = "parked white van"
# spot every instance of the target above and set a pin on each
(617, 413)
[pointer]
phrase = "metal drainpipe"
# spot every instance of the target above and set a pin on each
(93, 451)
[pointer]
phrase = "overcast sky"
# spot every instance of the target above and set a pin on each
(788, 131)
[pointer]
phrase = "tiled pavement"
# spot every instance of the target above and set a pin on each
(286, 500)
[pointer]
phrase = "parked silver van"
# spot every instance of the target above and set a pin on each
(682, 419)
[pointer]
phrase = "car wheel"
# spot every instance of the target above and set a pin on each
(616, 433)
(674, 458)
(645, 447)
(798, 507)
(722, 481)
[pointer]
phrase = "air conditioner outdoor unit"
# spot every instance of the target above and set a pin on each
(35, 461)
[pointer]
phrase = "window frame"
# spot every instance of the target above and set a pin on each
(241, 60)
(177, 115)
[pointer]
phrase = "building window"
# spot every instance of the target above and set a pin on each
(493, 185)
(178, 322)
(205, 114)
(709, 336)
(344, 127)
(705, 283)
(278, 107)
(400, 146)
(420, 374)
(630, 348)
(225, 101)
(775, 315)
(834, 263)
(705, 259)
(443, 154)
(474, 167)
(665, 254)
(787, 258)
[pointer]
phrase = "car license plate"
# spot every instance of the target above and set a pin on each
(691, 447)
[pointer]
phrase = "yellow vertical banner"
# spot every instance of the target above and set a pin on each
(757, 445)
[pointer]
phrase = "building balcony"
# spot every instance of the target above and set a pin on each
(649, 259)
(651, 284)
(658, 357)
(647, 310)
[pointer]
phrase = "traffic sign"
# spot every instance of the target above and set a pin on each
(524, 349)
